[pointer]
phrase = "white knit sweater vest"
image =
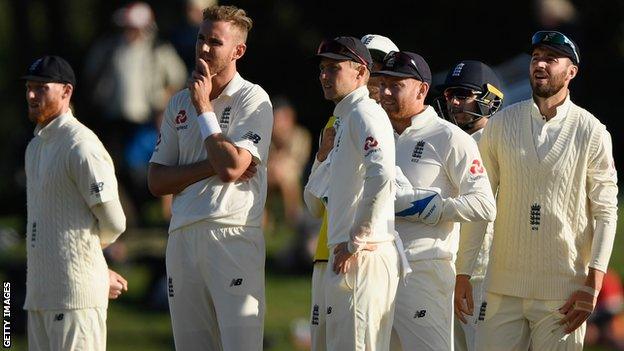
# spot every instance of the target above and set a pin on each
(66, 268)
(543, 230)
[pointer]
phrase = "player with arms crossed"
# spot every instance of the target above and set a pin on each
(212, 155)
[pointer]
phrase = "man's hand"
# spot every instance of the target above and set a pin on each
(577, 309)
(116, 284)
(200, 87)
(344, 259)
(463, 297)
(249, 172)
(327, 143)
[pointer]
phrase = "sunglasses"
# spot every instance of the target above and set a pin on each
(461, 94)
(334, 47)
(396, 59)
(555, 38)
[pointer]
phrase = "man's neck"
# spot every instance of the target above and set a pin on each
(548, 106)
(401, 123)
(221, 80)
(47, 121)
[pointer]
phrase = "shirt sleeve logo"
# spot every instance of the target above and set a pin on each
(255, 138)
(476, 168)
(180, 120)
(370, 143)
(97, 188)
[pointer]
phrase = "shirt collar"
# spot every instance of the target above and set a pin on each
(233, 86)
(346, 104)
(423, 119)
(562, 111)
(49, 129)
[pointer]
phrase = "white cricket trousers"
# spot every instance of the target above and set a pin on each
(318, 307)
(360, 303)
(67, 330)
(465, 333)
(513, 323)
(215, 278)
(424, 307)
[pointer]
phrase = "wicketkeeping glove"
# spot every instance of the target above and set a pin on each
(416, 204)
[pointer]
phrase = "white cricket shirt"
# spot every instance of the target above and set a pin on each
(438, 155)
(246, 118)
(361, 189)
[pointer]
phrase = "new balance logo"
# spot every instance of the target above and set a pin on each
(96, 188)
(482, 311)
(255, 138)
(418, 150)
(329, 309)
(170, 286)
(420, 314)
(225, 117)
(315, 315)
(236, 282)
(59, 317)
(535, 216)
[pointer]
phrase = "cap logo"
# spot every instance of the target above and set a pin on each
(390, 62)
(34, 65)
(367, 40)
(457, 70)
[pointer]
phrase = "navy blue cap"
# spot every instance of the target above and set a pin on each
(405, 64)
(50, 69)
(557, 42)
(471, 74)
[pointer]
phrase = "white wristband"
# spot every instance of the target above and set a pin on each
(208, 124)
(589, 290)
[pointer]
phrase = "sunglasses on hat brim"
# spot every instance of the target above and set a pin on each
(330, 46)
(553, 37)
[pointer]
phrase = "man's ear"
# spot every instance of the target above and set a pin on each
(68, 90)
(423, 90)
(239, 51)
(572, 71)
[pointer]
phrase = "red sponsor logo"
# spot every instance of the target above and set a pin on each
(370, 143)
(476, 167)
(181, 117)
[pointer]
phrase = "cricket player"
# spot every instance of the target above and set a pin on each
(444, 183)
(363, 267)
(550, 163)
(73, 212)
(471, 94)
(211, 155)
(378, 46)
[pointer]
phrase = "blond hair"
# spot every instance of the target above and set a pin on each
(227, 13)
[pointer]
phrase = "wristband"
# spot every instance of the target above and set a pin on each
(593, 292)
(208, 124)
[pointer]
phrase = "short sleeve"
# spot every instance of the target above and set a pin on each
(92, 170)
(253, 125)
(166, 148)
